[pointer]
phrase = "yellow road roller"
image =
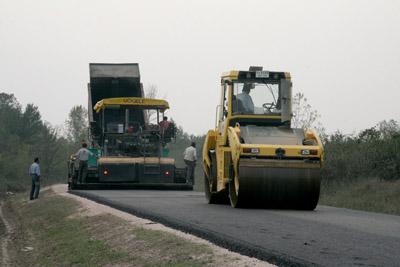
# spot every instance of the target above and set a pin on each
(254, 158)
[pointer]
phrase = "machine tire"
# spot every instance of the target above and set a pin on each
(210, 187)
(74, 180)
(234, 193)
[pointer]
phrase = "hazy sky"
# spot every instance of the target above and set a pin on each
(343, 55)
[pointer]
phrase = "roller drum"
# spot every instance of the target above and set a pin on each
(276, 184)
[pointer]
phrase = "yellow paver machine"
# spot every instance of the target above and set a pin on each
(253, 157)
(126, 136)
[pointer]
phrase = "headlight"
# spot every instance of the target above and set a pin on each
(306, 152)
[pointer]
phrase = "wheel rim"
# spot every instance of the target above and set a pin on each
(209, 184)
(234, 191)
(236, 185)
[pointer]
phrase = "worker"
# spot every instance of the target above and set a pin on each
(34, 173)
(130, 129)
(246, 99)
(83, 156)
(164, 124)
(190, 157)
(237, 106)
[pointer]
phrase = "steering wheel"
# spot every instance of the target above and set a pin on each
(269, 106)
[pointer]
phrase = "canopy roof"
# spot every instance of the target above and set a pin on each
(138, 102)
(254, 75)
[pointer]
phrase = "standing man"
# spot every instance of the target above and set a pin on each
(164, 124)
(34, 173)
(83, 156)
(190, 157)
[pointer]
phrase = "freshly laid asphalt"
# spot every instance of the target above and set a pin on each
(327, 236)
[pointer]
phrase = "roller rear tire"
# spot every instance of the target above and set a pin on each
(210, 186)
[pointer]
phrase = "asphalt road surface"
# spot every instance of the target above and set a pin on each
(327, 236)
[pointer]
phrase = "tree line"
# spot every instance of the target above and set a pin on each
(25, 135)
(373, 152)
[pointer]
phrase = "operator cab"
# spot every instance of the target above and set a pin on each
(131, 126)
(255, 97)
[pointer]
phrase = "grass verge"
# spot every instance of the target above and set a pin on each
(363, 194)
(51, 231)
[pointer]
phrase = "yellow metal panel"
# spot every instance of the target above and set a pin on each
(276, 117)
(287, 75)
(209, 143)
(230, 75)
(223, 156)
(132, 101)
(290, 150)
(275, 163)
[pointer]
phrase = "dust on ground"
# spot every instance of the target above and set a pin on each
(221, 257)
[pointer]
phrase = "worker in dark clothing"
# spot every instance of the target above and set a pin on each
(34, 173)
(164, 125)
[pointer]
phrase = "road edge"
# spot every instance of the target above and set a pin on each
(243, 248)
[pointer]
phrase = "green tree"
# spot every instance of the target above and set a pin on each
(10, 113)
(77, 125)
(31, 124)
(23, 136)
(389, 129)
(53, 151)
(305, 117)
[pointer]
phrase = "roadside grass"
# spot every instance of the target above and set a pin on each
(56, 239)
(363, 194)
(61, 235)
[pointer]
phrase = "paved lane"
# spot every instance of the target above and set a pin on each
(327, 236)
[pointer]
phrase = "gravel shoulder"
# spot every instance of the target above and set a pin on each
(221, 257)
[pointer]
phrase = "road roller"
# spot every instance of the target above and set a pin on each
(253, 157)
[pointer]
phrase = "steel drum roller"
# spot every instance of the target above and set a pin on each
(277, 184)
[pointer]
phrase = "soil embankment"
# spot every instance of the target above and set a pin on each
(62, 229)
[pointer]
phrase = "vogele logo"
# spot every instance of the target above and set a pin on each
(133, 101)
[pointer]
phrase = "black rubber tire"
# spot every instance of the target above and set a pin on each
(210, 187)
(74, 180)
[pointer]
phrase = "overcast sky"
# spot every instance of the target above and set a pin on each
(343, 55)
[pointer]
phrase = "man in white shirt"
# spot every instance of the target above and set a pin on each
(245, 99)
(83, 156)
(34, 173)
(190, 158)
